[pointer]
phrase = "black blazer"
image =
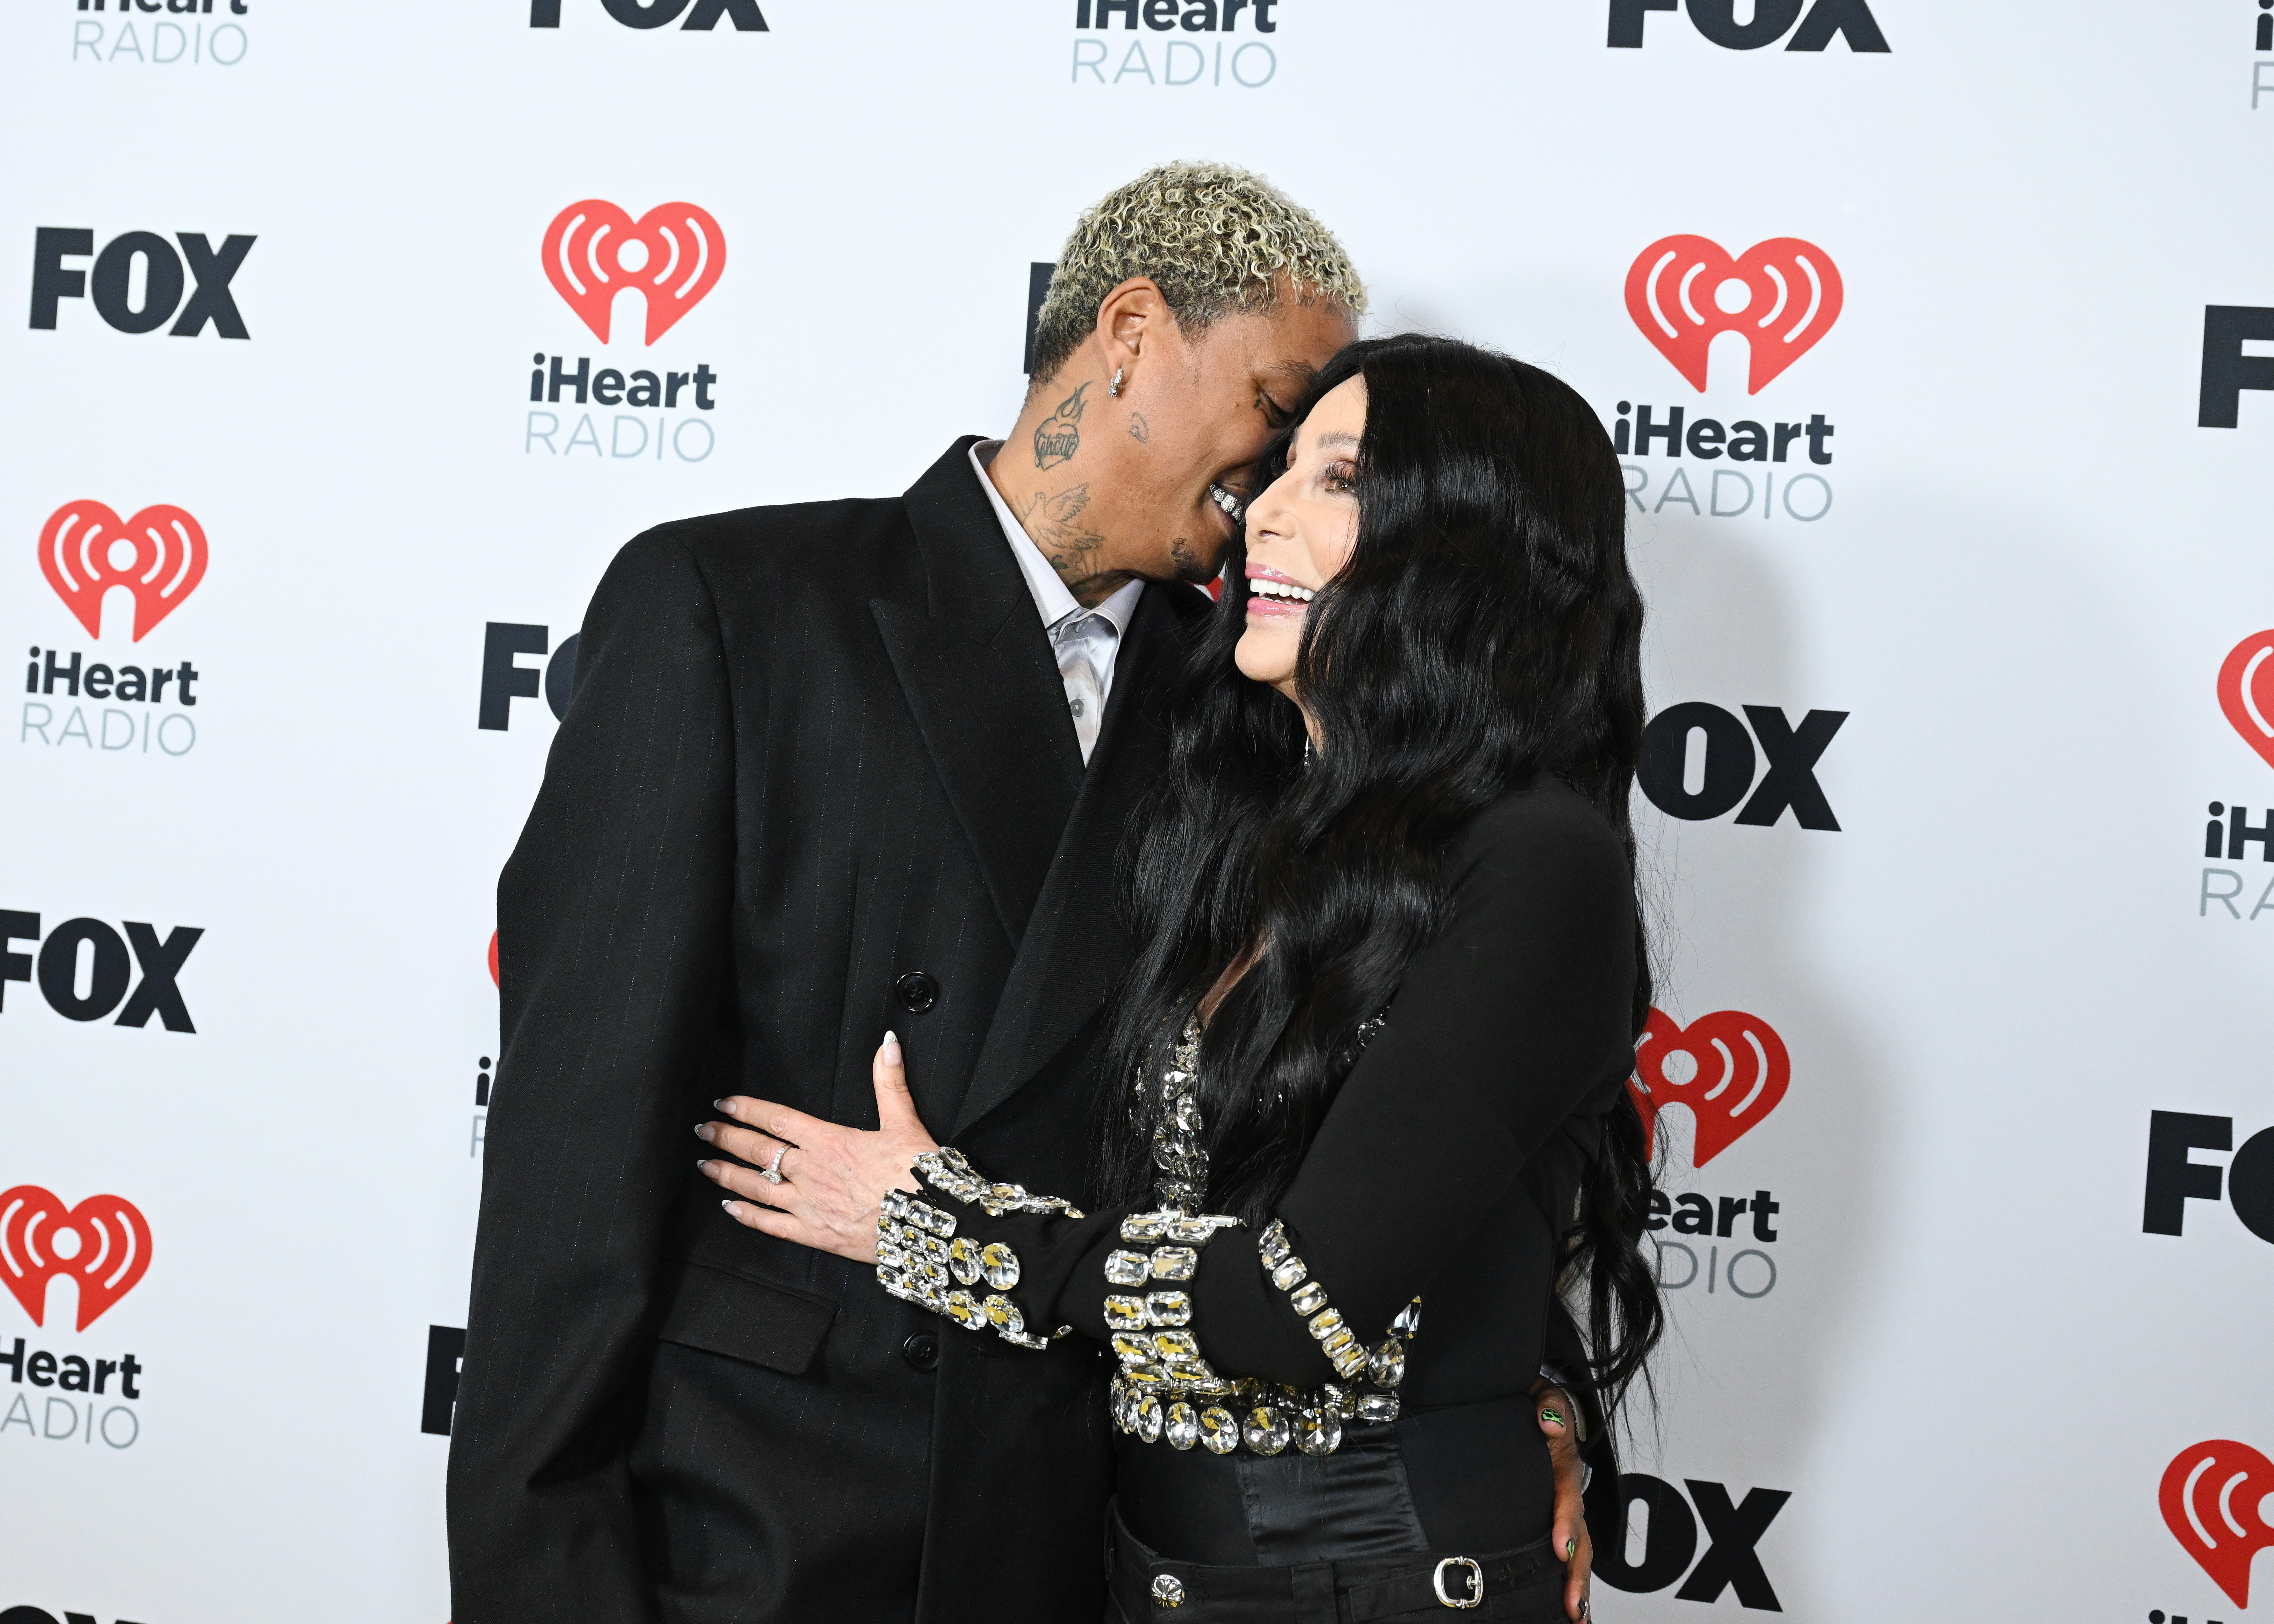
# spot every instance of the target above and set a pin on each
(814, 753)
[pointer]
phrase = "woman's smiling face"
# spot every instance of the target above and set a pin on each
(1301, 532)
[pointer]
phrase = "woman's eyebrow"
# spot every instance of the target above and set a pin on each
(1338, 440)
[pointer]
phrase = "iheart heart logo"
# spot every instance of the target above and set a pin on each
(158, 555)
(103, 1243)
(1782, 295)
(2218, 1502)
(1729, 1068)
(672, 254)
(2245, 692)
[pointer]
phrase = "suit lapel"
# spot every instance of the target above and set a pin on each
(1075, 946)
(977, 671)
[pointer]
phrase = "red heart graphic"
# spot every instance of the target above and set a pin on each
(103, 1243)
(164, 562)
(681, 252)
(2218, 1502)
(1729, 1068)
(2246, 691)
(1783, 295)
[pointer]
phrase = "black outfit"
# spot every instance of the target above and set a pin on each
(1447, 1167)
(818, 779)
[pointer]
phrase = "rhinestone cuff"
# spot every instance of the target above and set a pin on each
(945, 1170)
(921, 1259)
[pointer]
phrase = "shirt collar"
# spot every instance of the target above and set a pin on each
(1052, 601)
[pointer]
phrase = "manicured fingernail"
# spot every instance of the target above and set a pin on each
(1569, 1546)
(891, 1048)
(705, 1132)
(705, 1167)
(726, 1106)
(1552, 1418)
(733, 1208)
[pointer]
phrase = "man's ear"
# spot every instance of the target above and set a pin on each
(1134, 324)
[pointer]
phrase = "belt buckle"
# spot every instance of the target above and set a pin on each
(1476, 1583)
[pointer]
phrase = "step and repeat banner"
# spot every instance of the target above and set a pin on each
(349, 342)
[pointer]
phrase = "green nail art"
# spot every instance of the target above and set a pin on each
(1570, 1547)
(1550, 1415)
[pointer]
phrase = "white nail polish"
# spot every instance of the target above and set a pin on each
(891, 1048)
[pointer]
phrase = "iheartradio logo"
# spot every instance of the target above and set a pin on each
(103, 1243)
(2246, 691)
(1783, 294)
(2218, 1502)
(1729, 1069)
(158, 555)
(673, 254)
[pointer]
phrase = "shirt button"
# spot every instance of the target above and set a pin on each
(921, 1352)
(916, 991)
(1074, 705)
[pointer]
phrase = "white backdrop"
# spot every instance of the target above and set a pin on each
(1973, 1367)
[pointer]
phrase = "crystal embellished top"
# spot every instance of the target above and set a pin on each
(1179, 1151)
(1447, 1170)
(1166, 1391)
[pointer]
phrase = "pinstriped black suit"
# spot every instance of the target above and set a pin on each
(812, 749)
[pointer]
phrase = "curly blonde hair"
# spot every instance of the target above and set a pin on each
(1216, 239)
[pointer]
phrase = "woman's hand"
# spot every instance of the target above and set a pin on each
(833, 1179)
(1570, 1535)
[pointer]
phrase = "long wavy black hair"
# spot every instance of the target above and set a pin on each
(1486, 630)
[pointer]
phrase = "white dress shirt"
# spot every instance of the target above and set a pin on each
(1084, 641)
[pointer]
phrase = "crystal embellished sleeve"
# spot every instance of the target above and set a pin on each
(922, 1258)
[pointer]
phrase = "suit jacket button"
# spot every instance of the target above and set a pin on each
(916, 991)
(922, 1351)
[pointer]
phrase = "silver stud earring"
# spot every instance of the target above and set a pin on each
(1115, 387)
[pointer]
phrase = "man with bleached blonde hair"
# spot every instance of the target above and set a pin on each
(828, 770)
(1188, 310)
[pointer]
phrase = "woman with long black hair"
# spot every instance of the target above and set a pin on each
(1370, 1138)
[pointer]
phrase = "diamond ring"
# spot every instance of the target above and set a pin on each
(773, 1174)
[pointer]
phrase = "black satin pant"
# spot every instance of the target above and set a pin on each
(1372, 1532)
(1471, 1478)
(1511, 1587)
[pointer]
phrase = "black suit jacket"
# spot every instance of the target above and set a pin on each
(813, 750)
